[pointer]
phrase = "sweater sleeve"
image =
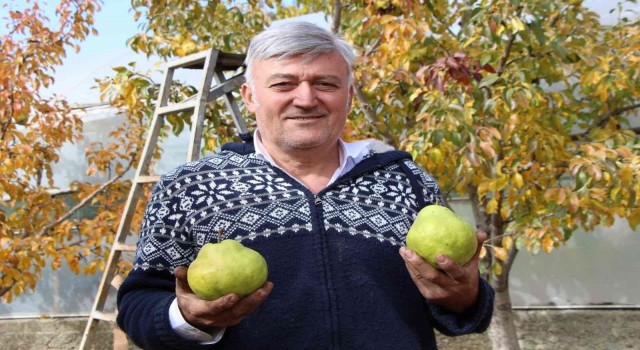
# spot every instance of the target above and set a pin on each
(145, 296)
(477, 318)
(143, 311)
(474, 320)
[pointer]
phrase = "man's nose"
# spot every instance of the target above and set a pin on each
(305, 96)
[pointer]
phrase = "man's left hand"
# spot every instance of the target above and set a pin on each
(454, 287)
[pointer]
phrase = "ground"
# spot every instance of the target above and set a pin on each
(614, 329)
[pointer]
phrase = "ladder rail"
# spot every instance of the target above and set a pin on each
(193, 152)
(231, 104)
(156, 125)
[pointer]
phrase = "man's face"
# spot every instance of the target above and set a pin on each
(298, 104)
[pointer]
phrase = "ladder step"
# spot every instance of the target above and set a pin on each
(195, 60)
(109, 317)
(147, 179)
(117, 280)
(226, 87)
(124, 247)
(183, 106)
(229, 61)
(224, 62)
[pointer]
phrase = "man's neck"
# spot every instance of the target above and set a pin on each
(314, 167)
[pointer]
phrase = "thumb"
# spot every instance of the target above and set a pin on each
(182, 285)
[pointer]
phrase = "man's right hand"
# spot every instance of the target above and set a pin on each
(225, 311)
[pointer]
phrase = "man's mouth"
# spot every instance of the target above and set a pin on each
(305, 117)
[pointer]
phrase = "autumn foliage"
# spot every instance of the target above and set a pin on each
(40, 223)
(529, 109)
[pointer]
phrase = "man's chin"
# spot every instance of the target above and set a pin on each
(305, 144)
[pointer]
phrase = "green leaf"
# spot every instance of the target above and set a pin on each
(488, 80)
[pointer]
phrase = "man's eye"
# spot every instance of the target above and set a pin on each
(282, 85)
(326, 85)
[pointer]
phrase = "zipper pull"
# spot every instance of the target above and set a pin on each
(317, 199)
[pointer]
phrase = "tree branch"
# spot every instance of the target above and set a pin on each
(337, 16)
(86, 200)
(511, 256)
(507, 51)
(478, 214)
(605, 117)
(367, 108)
(372, 47)
(5, 290)
(370, 114)
(618, 111)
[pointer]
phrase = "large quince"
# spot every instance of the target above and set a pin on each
(438, 230)
(224, 268)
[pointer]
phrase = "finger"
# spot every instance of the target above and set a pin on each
(452, 269)
(251, 302)
(418, 277)
(223, 304)
(422, 270)
(182, 285)
(482, 236)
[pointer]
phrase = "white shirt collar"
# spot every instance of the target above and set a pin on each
(351, 153)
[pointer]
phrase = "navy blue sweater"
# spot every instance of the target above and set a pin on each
(339, 281)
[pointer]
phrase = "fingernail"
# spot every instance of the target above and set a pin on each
(407, 253)
(441, 259)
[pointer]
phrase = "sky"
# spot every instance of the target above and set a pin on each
(115, 24)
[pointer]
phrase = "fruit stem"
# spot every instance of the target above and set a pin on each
(220, 231)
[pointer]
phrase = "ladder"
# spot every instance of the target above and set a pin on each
(213, 64)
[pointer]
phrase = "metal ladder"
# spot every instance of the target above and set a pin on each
(213, 64)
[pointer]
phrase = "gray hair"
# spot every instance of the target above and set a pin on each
(297, 39)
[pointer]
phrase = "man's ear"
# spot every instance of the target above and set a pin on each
(247, 97)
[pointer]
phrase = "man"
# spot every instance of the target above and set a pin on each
(329, 217)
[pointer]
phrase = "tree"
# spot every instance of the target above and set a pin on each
(524, 107)
(40, 223)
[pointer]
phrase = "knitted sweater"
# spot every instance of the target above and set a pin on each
(339, 281)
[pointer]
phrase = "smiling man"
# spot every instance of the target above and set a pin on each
(330, 218)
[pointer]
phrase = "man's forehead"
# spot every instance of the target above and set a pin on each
(327, 61)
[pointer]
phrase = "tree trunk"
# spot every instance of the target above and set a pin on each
(502, 331)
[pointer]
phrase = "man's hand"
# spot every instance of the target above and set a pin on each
(454, 287)
(226, 311)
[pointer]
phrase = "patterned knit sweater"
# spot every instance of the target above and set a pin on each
(339, 281)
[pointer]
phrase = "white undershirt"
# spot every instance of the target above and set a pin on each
(351, 153)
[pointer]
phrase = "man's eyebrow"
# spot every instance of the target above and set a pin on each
(277, 76)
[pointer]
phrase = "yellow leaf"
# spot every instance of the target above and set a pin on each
(517, 180)
(483, 252)
(517, 24)
(592, 77)
(502, 182)
(507, 242)
(504, 212)
(574, 202)
(500, 253)
(488, 150)
(492, 206)
(496, 269)
(483, 187)
(547, 244)
(562, 196)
